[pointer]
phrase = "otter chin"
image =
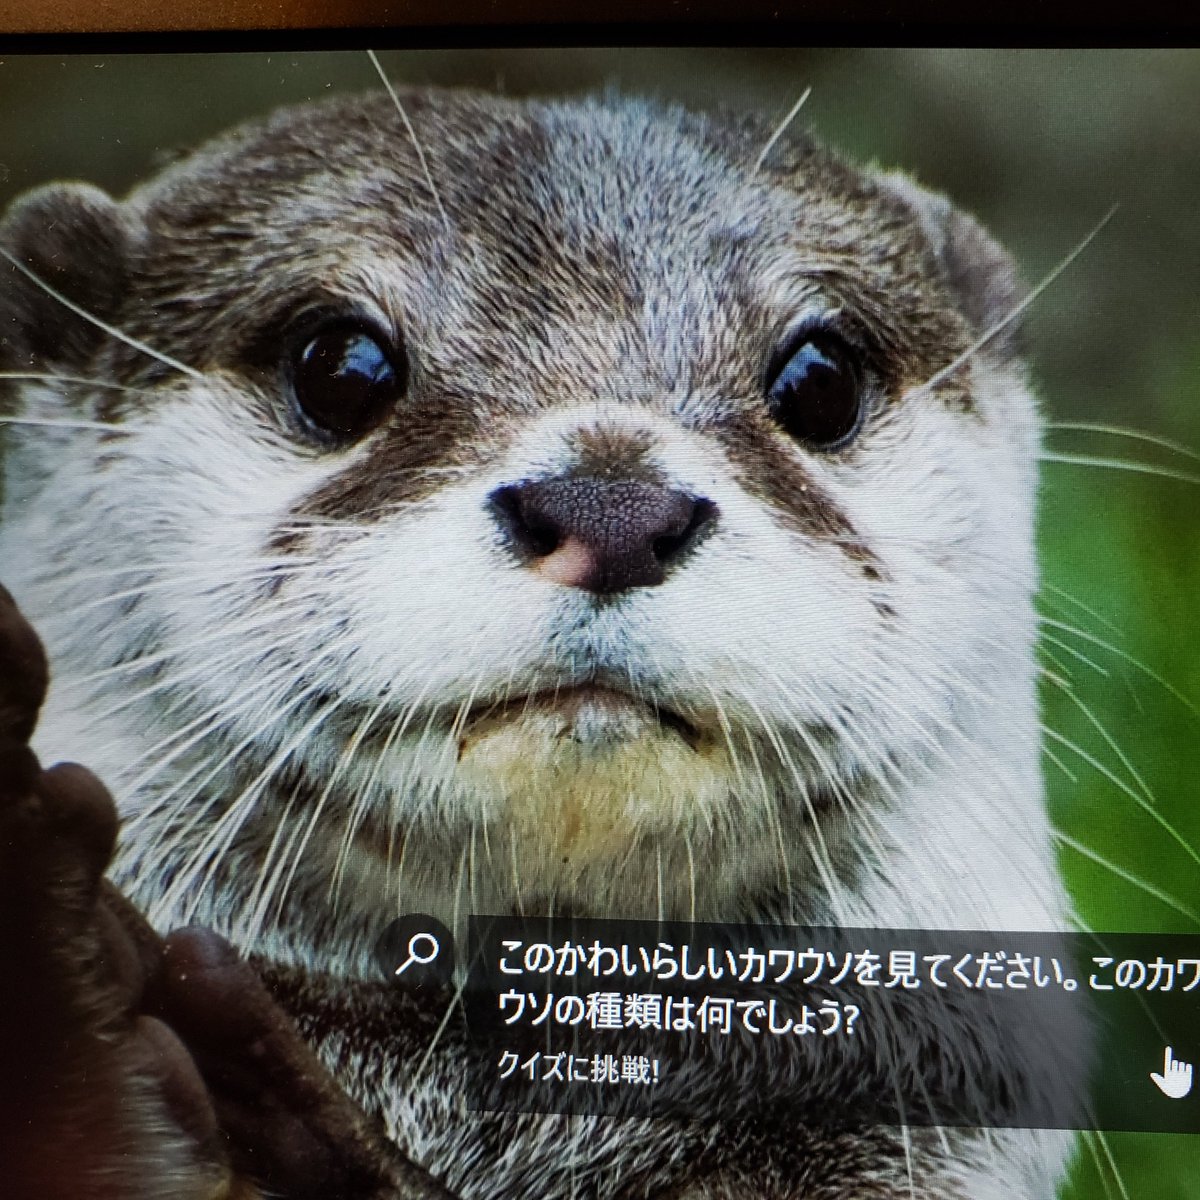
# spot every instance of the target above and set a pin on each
(578, 771)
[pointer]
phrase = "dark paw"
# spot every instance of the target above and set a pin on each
(285, 1120)
(23, 673)
(96, 1099)
(133, 1068)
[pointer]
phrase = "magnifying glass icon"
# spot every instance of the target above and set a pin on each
(423, 948)
(416, 951)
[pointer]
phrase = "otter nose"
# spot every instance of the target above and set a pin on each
(598, 535)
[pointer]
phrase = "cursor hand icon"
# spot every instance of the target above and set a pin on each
(1176, 1079)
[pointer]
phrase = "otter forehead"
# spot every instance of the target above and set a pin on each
(547, 239)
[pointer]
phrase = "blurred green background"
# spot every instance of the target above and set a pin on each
(1037, 143)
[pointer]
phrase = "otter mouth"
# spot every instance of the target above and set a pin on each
(586, 711)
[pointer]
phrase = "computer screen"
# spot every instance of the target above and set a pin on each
(627, 616)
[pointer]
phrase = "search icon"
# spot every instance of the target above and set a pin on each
(415, 954)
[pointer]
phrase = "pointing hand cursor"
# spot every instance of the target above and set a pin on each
(1176, 1079)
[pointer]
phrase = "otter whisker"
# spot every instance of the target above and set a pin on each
(258, 699)
(224, 712)
(1125, 788)
(237, 592)
(1075, 602)
(458, 890)
(251, 921)
(1112, 743)
(1062, 677)
(234, 815)
(173, 681)
(516, 875)
(1137, 435)
(1049, 640)
(1062, 766)
(780, 130)
(487, 843)
(471, 870)
(152, 566)
(400, 897)
(822, 858)
(1096, 640)
(45, 377)
(412, 134)
(1118, 464)
(1127, 876)
(1098, 1136)
(216, 843)
(658, 874)
(455, 1002)
(867, 819)
(361, 802)
(69, 423)
(998, 327)
(177, 654)
(172, 801)
(395, 731)
(938, 747)
(319, 807)
(906, 1136)
(111, 330)
(731, 748)
(691, 858)
(276, 629)
(169, 585)
(856, 810)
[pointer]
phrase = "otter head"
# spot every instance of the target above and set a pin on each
(569, 514)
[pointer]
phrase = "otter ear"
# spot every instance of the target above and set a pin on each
(74, 238)
(979, 272)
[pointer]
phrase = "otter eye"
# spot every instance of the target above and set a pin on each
(345, 381)
(816, 395)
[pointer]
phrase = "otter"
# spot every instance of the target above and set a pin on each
(449, 503)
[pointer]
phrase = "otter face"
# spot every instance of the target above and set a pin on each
(558, 520)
